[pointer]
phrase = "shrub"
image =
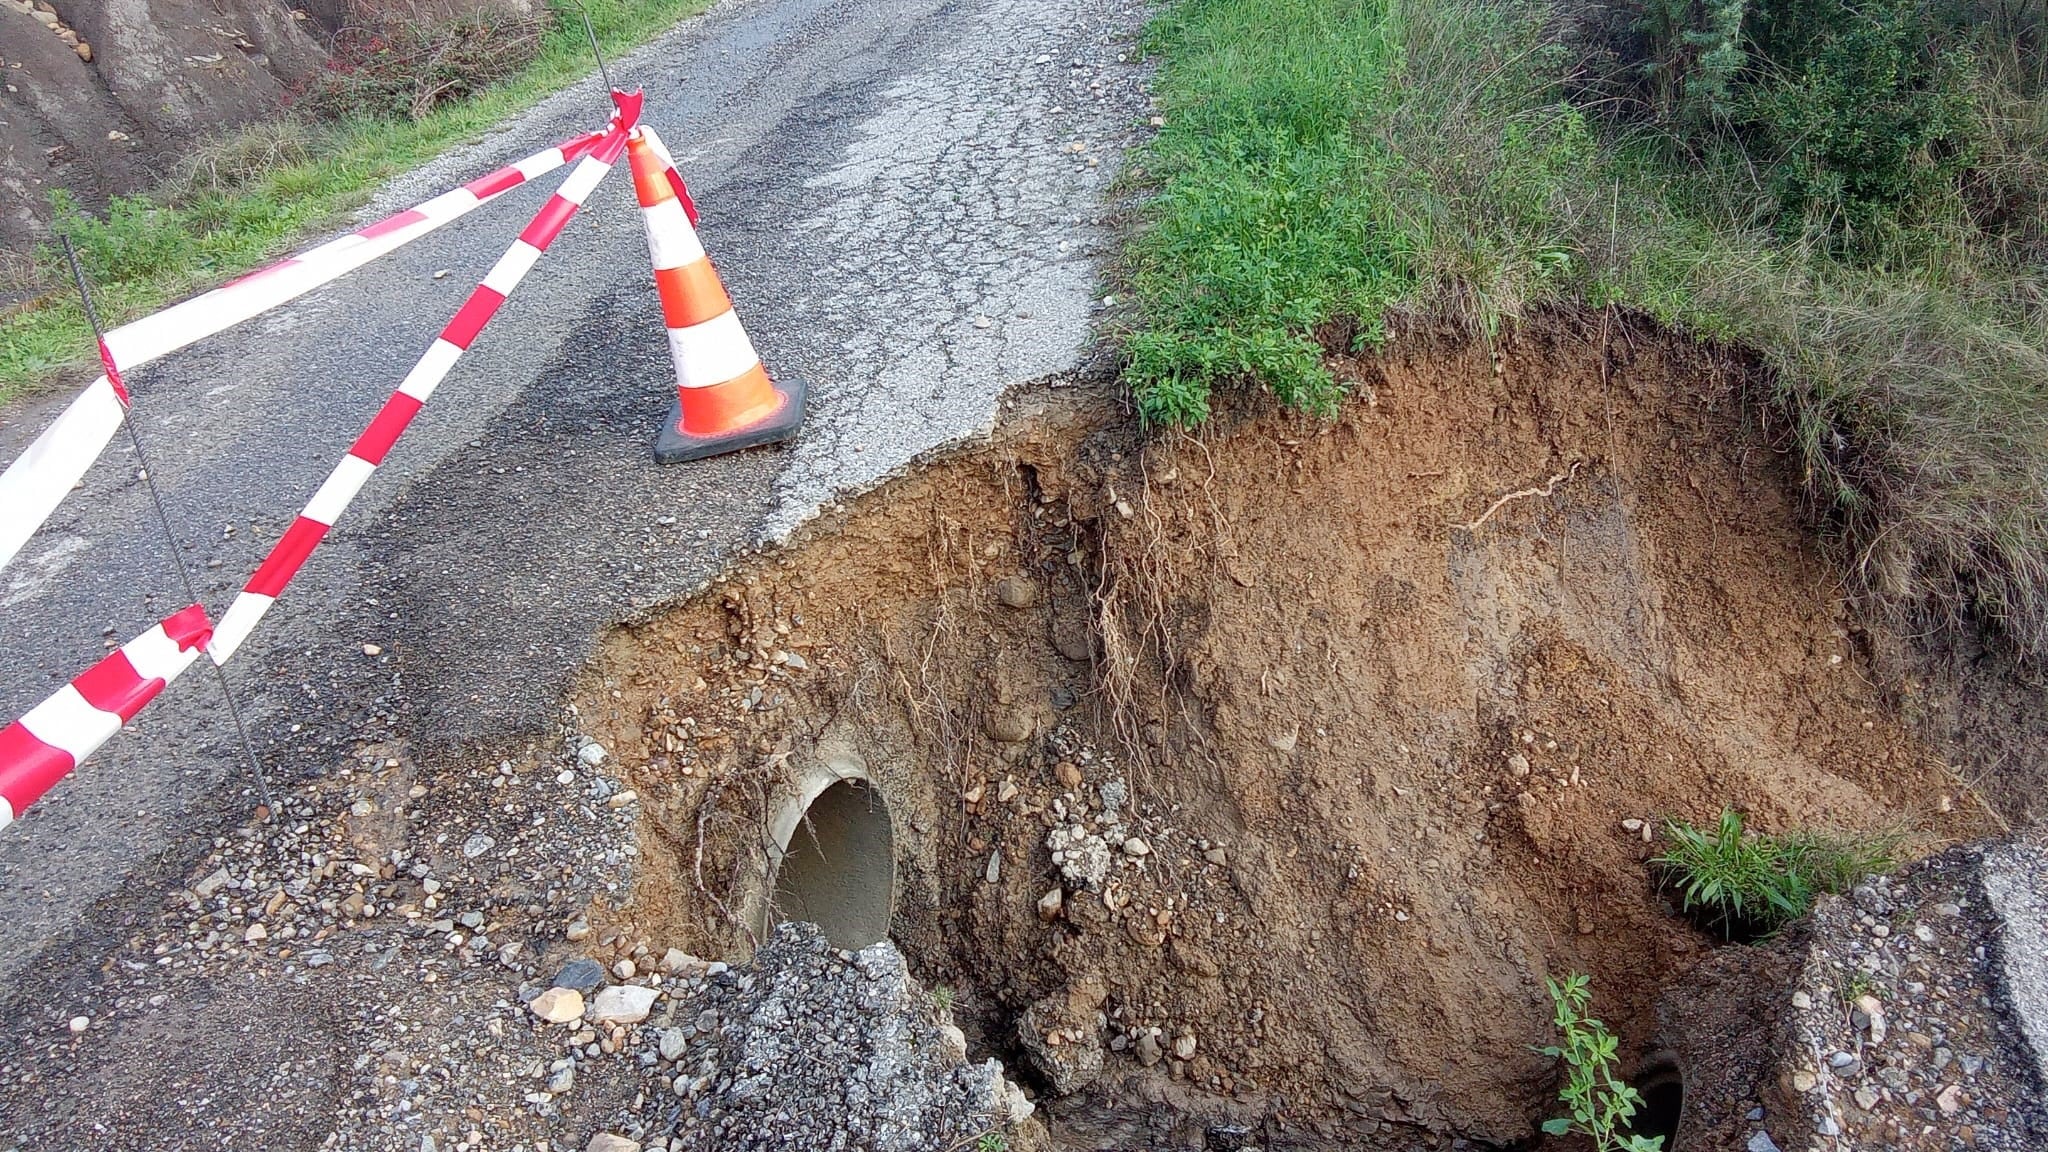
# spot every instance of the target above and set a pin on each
(1747, 885)
(1865, 116)
(404, 65)
(1601, 1105)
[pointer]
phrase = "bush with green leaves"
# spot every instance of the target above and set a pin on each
(1746, 885)
(1599, 1104)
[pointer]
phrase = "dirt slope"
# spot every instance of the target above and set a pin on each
(1334, 746)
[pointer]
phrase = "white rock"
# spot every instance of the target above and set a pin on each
(624, 1004)
(606, 1142)
(558, 1005)
(212, 884)
(1136, 846)
(676, 960)
(625, 970)
(1049, 905)
(672, 1044)
(80, 1024)
(590, 756)
(994, 871)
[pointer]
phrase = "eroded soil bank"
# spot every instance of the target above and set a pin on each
(1334, 743)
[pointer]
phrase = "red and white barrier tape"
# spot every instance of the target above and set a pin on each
(348, 477)
(57, 735)
(675, 176)
(38, 480)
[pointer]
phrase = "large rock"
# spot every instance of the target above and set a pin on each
(813, 1048)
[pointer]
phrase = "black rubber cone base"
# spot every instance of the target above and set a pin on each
(674, 446)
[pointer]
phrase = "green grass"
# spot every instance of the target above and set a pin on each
(249, 198)
(1321, 168)
(1329, 167)
(1747, 885)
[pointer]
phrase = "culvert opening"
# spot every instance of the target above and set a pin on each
(838, 869)
(1661, 1084)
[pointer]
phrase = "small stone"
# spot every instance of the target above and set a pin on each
(1632, 825)
(954, 1040)
(318, 959)
(1157, 121)
(372, 650)
(623, 797)
(477, 845)
(1017, 591)
(1216, 856)
(1135, 847)
(623, 1004)
(1873, 1017)
(79, 1024)
(1949, 1099)
(1068, 775)
(84, 51)
(256, 933)
(557, 1005)
(676, 960)
(1010, 726)
(1049, 905)
(994, 871)
(582, 974)
(1804, 1081)
(625, 969)
(1866, 1097)
(206, 888)
(1841, 1060)
(606, 1142)
(1184, 1046)
(590, 755)
(1283, 741)
(672, 1044)
(1148, 1049)
(563, 1079)
(981, 321)
(577, 930)
(1760, 1141)
(1802, 1001)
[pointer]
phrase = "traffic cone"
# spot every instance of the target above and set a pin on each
(724, 398)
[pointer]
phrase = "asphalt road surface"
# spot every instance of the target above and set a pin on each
(892, 191)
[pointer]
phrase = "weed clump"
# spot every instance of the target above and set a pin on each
(1747, 885)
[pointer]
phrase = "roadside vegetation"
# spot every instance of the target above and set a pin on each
(1855, 194)
(393, 99)
(1747, 885)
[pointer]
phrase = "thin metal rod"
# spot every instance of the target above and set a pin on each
(163, 519)
(602, 71)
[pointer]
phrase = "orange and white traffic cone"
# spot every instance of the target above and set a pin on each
(724, 398)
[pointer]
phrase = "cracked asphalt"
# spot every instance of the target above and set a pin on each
(908, 202)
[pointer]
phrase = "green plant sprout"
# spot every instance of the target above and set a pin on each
(1601, 1105)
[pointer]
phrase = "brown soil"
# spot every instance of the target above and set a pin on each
(1380, 743)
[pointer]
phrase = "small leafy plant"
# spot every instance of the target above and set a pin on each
(1748, 885)
(1601, 1104)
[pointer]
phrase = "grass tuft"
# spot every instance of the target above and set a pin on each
(1749, 885)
